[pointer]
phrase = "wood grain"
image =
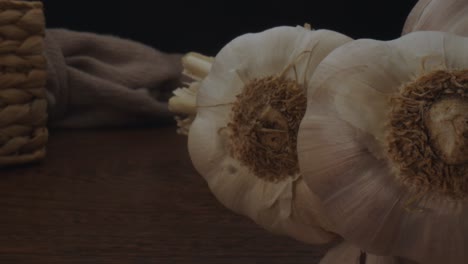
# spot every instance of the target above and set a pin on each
(127, 196)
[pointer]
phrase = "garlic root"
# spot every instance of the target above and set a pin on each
(248, 110)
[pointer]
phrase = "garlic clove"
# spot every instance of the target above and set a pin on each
(346, 253)
(438, 15)
(374, 183)
(279, 200)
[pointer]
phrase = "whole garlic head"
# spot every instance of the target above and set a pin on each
(243, 139)
(438, 15)
(384, 145)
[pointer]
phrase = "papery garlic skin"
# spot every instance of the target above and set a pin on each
(346, 253)
(283, 206)
(346, 157)
(438, 15)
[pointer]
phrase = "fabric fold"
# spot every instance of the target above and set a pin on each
(98, 80)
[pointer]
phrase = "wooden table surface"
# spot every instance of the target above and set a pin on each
(127, 196)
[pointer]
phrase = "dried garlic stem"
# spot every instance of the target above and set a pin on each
(196, 67)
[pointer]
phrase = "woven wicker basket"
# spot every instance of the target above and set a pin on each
(23, 106)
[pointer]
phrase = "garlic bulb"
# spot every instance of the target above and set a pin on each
(438, 15)
(243, 139)
(346, 253)
(384, 145)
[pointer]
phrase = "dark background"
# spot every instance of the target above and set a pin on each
(206, 26)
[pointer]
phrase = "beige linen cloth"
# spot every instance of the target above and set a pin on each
(98, 80)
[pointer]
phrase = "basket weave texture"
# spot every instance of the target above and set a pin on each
(23, 105)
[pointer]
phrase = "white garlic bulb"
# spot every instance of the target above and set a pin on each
(384, 145)
(346, 253)
(438, 15)
(243, 139)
